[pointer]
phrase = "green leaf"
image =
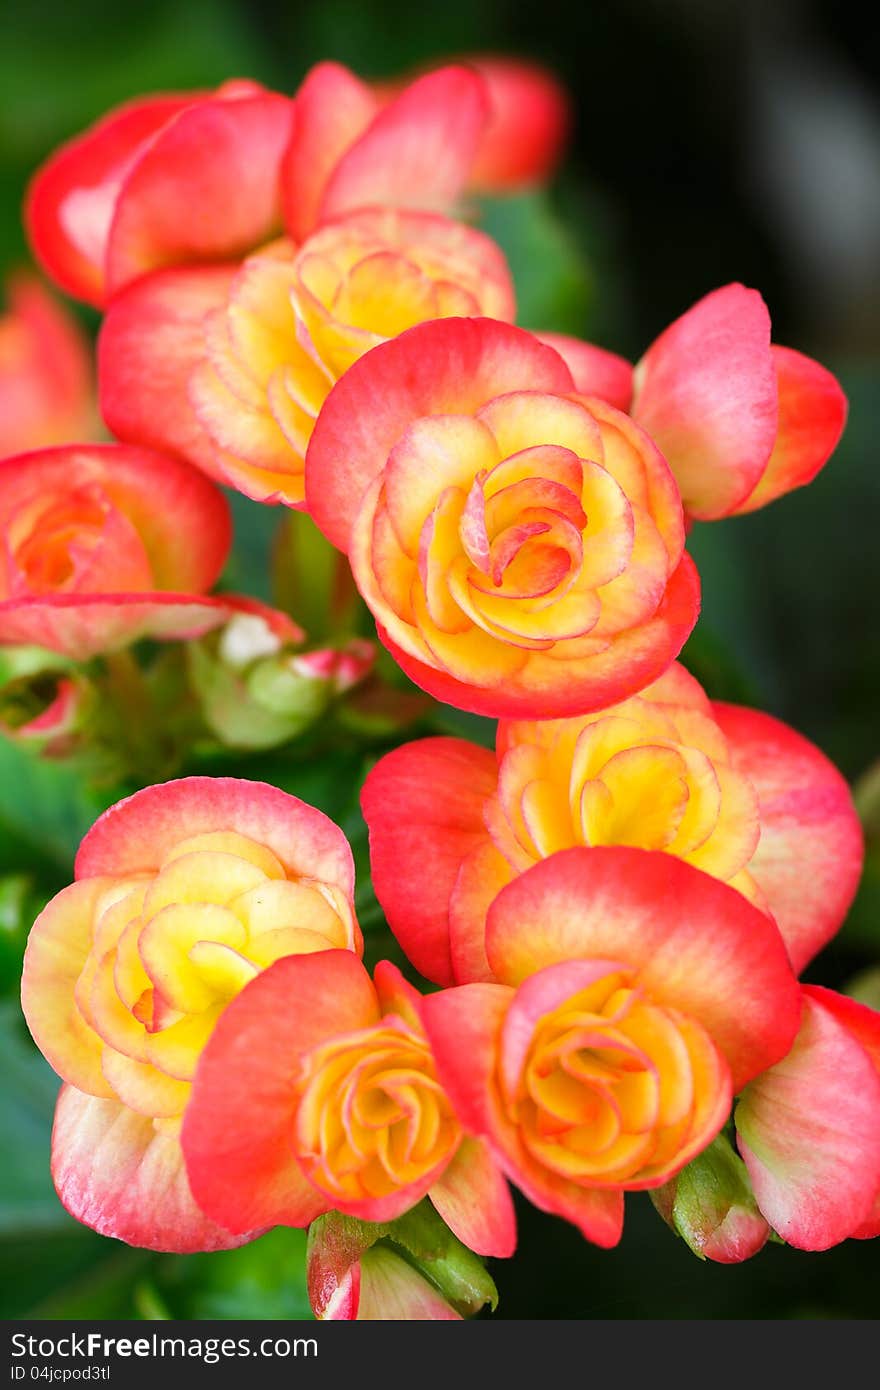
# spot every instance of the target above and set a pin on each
(554, 284)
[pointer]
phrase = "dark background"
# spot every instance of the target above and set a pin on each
(713, 141)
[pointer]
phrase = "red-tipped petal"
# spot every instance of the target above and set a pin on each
(812, 414)
(695, 943)
(71, 199)
(207, 188)
(418, 152)
(809, 856)
(474, 1201)
(528, 125)
(81, 626)
(809, 1129)
(448, 366)
(596, 371)
(706, 393)
(136, 834)
(150, 341)
(423, 804)
(117, 1173)
(238, 1127)
(333, 108)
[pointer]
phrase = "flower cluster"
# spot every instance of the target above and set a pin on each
(615, 903)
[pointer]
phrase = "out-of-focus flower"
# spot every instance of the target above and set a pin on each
(522, 549)
(710, 1204)
(102, 544)
(808, 1128)
(740, 420)
(636, 995)
(46, 393)
(528, 125)
(412, 1269)
(318, 1092)
(250, 356)
(45, 711)
(731, 790)
(349, 151)
(183, 893)
(164, 180)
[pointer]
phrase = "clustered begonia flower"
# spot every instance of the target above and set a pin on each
(183, 893)
(89, 563)
(520, 547)
(615, 902)
(730, 790)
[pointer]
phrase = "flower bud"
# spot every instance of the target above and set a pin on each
(710, 1204)
(410, 1269)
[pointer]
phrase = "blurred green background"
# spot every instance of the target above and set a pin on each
(714, 141)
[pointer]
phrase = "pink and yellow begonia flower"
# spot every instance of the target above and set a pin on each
(808, 1128)
(740, 420)
(348, 151)
(231, 367)
(46, 391)
(90, 563)
(527, 127)
(730, 790)
(634, 996)
(318, 1092)
(521, 547)
(164, 180)
(183, 894)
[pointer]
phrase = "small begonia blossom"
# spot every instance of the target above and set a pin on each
(348, 151)
(183, 893)
(730, 790)
(101, 544)
(808, 1128)
(46, 392)
(740, 420)
(521, 547)
(635, 996)
(164, 180)
(231, 367)
(318, 1092)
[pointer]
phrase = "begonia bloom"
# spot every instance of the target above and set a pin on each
(635, 996)
(46, 393)
(808, 1128)
(183, 893)
(164, 180)
(348, 151)
(730, 790)
(103, 544)
(230, 368)
(740, 420)
(521, 548)
(318, 1092)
